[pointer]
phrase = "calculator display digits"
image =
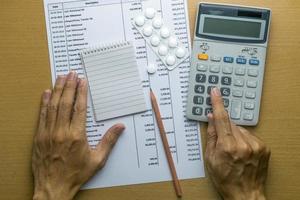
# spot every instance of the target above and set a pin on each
(229, 52)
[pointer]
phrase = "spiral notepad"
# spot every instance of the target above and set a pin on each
(114, 80)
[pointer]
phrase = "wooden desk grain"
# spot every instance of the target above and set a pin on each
(25, 73)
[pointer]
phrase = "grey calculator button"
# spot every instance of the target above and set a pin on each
(253, 72)
(208, 101)
(226, 102)
(240, 71)
(198, 100)
(201, 67)
(200, 78)
(208, 110)
(249, 105)
(251, 83)
(248, 116)
(250, 95)
(225, 80)
(236, 108)
(197, 111)
(214, 68)
(215, 58)
(237, 93)
(209, 88)
(225, 92)
(213, 79)
(199, 89)
(239, 82)
(227, 70)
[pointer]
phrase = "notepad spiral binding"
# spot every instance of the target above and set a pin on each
(105, 47)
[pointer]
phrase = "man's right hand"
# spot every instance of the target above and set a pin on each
(237, 160)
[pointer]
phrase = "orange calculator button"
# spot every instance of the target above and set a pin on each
(202, 56)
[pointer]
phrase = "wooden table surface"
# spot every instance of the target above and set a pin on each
(25, 73)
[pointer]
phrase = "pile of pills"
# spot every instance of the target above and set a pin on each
(159, 37)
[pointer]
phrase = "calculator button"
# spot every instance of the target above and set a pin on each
(197, 111)
(198, 100)
(251, 84)
(201, 67)
(199, 89)
(237, 93)
(228, 59)
(227, 69)
(213, 79)
(253, 62)
(209, 88)
(215, 58)
(208, 101)
(208, 110)
(214, 68)
(226, 102)
(248, 116)
(250, 95)
(236, 108)
(225, 80)
(239, 82)
(200, 78)
(249, 105)
(241, 61)
(225, 92)
(240, 71)
(253, 72)
(202, 56)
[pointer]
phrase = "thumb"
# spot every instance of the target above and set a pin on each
(211, 135)
(106, 144)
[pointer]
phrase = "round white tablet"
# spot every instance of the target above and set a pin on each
(180, 52)
(150, 13)
(147, 31)
(139, 20)
(173, 42)
(157, 23)
(170, 60)
(151, 68)
(162, 50)
(155, 40)
(164, 32)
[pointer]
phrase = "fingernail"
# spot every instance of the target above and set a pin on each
(216, 92)
(71, 75)
(120, 127)
(47, 94)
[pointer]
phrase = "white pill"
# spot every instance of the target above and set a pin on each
(140, 20)
(157, 23)
(155, 40)
(147, 31)
(164, 32)
(162, 50)
(151, 68)
(170, 60)
(150, 13)
(173, 42)
(180, 52)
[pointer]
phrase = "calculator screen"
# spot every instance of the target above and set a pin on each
(232, 27)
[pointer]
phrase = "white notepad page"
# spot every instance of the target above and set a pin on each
(114, 80)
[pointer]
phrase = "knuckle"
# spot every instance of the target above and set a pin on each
(58, 88)
(230, 149)
(223, 115)
(65, 104)
(70, 85)
(79, 109)
(52, 107)
(109, 139)
(245, 150)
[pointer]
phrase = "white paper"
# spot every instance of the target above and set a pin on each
(138, 157)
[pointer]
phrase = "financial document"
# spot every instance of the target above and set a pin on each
(138, 157)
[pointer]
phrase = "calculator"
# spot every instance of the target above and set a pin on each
(229, 52)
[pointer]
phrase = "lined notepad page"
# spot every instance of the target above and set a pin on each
(114, 80)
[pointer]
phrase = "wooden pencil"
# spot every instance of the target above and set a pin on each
(165, 144)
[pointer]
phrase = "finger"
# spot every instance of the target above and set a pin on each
(54, 101)
(43, 110)
(107, 143)
(211, 135)
(80, 107)
(67, 100)
(221, 118)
